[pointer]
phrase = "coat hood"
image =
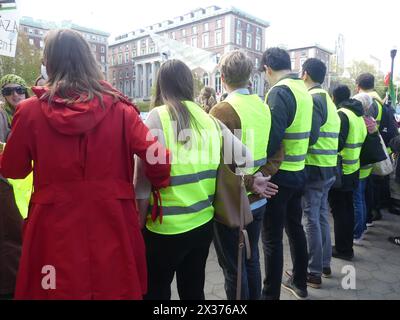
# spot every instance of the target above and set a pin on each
(80, 117)
(353, 105)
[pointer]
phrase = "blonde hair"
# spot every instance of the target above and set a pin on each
(236, 68)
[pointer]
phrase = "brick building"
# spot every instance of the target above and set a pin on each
(134, 58)
(36, 31)
(300, 55)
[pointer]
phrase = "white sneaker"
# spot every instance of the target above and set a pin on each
(357, 242)
(369, 225)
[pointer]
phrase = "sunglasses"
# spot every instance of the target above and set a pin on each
(9, 91)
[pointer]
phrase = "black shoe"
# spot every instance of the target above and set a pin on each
(339, 255)
(314, 281)
(327, 273)
(395, 240)
(297, 292)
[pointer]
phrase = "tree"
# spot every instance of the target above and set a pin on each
(26, 63)
(359, 67)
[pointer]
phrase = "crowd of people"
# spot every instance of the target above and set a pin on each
(119, 207)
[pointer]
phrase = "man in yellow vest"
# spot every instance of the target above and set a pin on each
(291, 108)
(249, 119)
(378, 187)
(352, 136)
(321, 165)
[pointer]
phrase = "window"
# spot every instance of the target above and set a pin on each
(206, 40)
(218, 83)
(256, 84)
(112, 61)
(206, 79)
(257, 63)
(41, 44)
(219, 23)
(41, 33)
(258, 31)
(239, 38)
(143, 51)
(194, 30)
(120, 58)
(103, 49)
(293, 63)
(113, 75)
(194, 42)
(218, 38)
(249, 28)
(258, 44)
(183, 32)
(94, 47)
(126, 73)
(173, 36)
(30, 30)
(31, 42)
(206, 27)
(239, 24)
(126, 57)
(103, 59)
(249, 41)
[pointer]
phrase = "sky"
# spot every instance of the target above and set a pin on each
(370, 27)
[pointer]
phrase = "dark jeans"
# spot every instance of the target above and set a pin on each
(184, 254)
(284, 211)
(226, 246)
(342, 206)
(381, 192)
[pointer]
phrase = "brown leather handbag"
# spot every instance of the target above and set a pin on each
(232, 208)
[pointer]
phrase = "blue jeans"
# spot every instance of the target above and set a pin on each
(360, 209)
(318, 231)
(226, 246)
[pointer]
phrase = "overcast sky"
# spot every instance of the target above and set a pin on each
(370, 27)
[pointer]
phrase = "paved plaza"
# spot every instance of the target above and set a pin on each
(377, 265)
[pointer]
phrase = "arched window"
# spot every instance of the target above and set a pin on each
(206, 79)
(256, 84)
(218, 83)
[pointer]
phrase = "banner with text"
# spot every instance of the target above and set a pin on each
(9, 25)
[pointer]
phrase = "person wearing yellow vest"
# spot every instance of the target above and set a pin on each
(178, 238)
(321, 165)
(384, 115)
(249, 118)
(352, 136)
(14, 90)
(291, 109)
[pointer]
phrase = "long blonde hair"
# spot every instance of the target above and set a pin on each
(74, 74)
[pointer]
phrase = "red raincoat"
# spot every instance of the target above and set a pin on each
(83, 221)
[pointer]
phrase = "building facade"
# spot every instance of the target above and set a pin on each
(134, 58)
(36, 31)
(299, 55)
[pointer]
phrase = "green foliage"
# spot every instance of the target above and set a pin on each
(354, 70)
(143, 106)
(26, 63)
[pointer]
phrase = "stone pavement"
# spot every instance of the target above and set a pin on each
(377, 265)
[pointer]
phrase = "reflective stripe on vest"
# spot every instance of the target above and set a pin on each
(255, 119)
(296, 139)
(325, 152)
(187, 203)
(355, 139)
(366, 171)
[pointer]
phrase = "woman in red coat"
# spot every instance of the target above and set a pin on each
(82, 239)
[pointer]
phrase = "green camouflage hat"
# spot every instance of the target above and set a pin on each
(12, 79)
